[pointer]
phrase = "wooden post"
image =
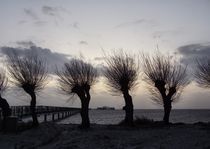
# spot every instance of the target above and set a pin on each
(58, 115)
(62, 115)
(21, 110)
(53, 117)
(45, 117)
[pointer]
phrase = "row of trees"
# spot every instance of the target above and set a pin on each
(165, 78)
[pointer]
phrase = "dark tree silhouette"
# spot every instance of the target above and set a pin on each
(6, 111)
(30, 73)
(77, 77)
(122, 75)
(202, 72)
(166, 80)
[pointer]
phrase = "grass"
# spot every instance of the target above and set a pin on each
(143, 121)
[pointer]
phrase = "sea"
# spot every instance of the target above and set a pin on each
(116, 116)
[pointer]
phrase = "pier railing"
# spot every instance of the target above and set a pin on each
(24, 111)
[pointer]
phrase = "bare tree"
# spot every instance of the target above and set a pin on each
(165, 79)
(122, 75)
(202, 72)
(30, 73)
(77, 77)
(6, 111)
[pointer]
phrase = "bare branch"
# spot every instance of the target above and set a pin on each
(76, 73)
(165, 78)
(27, 71)
(202, 72)
(3, 81)
(122, 72)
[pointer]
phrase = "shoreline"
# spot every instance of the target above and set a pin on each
(60, 136)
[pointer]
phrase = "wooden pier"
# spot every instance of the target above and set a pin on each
(49, 113)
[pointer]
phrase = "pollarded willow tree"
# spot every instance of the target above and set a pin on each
(202, 72)
(121, 74)
(77, 77)
(166, 80)
(28, 72)
(6, 111)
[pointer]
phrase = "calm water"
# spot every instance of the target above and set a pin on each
(115, 116)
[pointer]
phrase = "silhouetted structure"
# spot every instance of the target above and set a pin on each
(202, 72)
(50, 113)
(77, 77)
(30, 73)
(6, 111)
(122, 75)
(166, 79)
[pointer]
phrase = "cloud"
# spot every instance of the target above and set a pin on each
(31, 14)
(25, 43)
(195, 50)
(55, 13)
(82, 42)
(189, 53)
(40, 23)
(51, 11)
(136, 22)
(53, 59)
(36, 20)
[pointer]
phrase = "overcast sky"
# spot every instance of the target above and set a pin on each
(65, 28)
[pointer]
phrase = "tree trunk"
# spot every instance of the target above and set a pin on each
(167, 111)
(84, 113)
(128, 109)
(33, 109)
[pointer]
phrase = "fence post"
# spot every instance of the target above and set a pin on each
(58, 115)
(62, 115)
(53, 117)
(45, 117)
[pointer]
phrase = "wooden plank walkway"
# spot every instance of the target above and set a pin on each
(48, 113)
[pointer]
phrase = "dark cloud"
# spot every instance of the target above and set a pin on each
(25, 43)
(189, 53)
(136, 22)
(52, 58)
(31, 14)
(54, 12)
(195, 50)
(36, 20)
(51, 11)
(83, 42)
